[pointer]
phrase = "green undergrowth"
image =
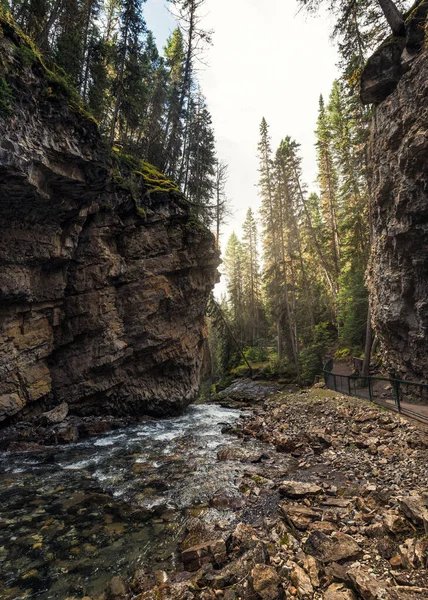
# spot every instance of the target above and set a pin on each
(27, 55)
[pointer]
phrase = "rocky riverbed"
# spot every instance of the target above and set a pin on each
(337, 510)
(306, 495)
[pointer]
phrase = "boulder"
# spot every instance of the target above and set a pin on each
(394, 523)
(246, 391)
(301, 582)
(117, 588)
(339, 591)
(382, 71)
(324, 526)
(227, 500)
(66, 432)
(266, 582)
(413, 553)
(298, 489)
(334, 548)
(213, 551)
(300, 517)
(416, 508)
(310, 564)
(367, 586)
(244, 537)
(56, 415)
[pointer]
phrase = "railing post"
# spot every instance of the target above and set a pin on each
(369, 381)
(396, 386)
(349, 386)
(335, 385)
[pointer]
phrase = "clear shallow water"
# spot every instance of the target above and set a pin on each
(74, 516)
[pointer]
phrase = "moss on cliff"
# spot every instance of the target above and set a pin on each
(130, 167)
(20, 60)
(27, 55)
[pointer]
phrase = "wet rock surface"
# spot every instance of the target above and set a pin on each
(177, 509)
(327, 519)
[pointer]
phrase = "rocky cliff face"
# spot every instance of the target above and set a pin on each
(396, 79)
(104, 277)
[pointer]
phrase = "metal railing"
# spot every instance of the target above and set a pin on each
(406, 397)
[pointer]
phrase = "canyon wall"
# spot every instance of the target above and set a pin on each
(104, 276)
(396, 81)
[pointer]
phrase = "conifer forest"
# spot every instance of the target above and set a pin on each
(295, 277)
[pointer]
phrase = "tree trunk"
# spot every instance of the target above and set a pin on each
(393, 16)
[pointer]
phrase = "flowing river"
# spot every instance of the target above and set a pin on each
(72, 517)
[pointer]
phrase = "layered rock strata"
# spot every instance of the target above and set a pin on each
(104, 276)
(396, 79)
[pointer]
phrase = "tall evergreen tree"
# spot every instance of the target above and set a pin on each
(131, 26)
(327, 179)
(251, 276)
(222, 210)
(271, 250)
(233, 268)
(174, 57)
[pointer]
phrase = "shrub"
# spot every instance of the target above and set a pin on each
(278, 369)
(241, 371)
(221, 385)
(311, 358)
(342, 353)
(256, 354)
(311, 363)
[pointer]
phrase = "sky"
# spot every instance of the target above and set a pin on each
(267, 60)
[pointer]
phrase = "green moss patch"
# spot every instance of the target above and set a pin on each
(140, 178)
(153, 180)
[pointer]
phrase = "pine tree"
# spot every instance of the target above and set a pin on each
(174, 56)
(195, 38)
(127, 51)
(69, 47)
(251, 276)
(155, 118)
(233, 270)
(327, 179)
(271, 252)
(222, 210)
(97, 95)
(200, 162)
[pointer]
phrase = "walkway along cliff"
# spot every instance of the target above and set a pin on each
(395, 79)
(104, 276)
